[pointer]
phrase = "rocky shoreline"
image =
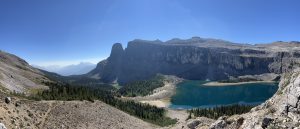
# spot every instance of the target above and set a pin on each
(162, 95)
(234, 83)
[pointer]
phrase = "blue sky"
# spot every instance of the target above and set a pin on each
(61, 32)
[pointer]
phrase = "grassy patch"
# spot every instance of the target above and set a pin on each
(35, 90)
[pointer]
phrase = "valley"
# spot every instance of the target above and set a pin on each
(149, 64)
(161, 91)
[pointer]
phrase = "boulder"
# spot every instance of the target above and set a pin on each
(223, 118)
(219, 124)
(18, 104)
(2, 126)
(7, 100)
(240, 121)
(192, 124)
(266, 122)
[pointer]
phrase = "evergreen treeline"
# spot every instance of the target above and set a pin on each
(146, 112)
(142, 88)
(217, 112)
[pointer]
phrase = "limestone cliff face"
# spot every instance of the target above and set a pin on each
(195, 58)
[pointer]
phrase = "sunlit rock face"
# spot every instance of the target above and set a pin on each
(195, 58)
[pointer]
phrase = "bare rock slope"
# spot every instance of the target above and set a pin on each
(17, 75)
(66, 115)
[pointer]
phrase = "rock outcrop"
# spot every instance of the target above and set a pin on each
(2, 126)
(195, 58)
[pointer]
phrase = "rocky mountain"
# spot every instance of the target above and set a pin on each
(195, 58)
(17, 75)
(75, 69)
(142, 59)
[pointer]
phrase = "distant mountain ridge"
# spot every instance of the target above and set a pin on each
(75, 69)
(195, 58)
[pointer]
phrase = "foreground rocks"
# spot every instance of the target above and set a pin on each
(219, 124)
(7, 100)
(2, 126)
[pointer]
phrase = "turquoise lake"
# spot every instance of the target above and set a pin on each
(192, 94)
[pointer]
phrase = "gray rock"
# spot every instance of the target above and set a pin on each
(266, 122)
(240, 121)
(2, 126)
(223, 118)
(192, 124)
(293, 96)
(18, 104)
(219, 124)
(7, 100)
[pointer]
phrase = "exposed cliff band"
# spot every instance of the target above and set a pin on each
(195, 58)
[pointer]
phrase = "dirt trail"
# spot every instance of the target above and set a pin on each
(44, 117)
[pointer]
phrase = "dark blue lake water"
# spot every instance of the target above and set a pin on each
(191, 94)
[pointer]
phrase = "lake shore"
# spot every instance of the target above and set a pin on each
(161, 103)
(234, 83)
(161, 96)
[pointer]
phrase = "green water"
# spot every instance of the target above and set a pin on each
(191, 94)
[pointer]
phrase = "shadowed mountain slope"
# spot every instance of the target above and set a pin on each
(195, 58)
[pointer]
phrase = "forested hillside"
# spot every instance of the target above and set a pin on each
(142, 88)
